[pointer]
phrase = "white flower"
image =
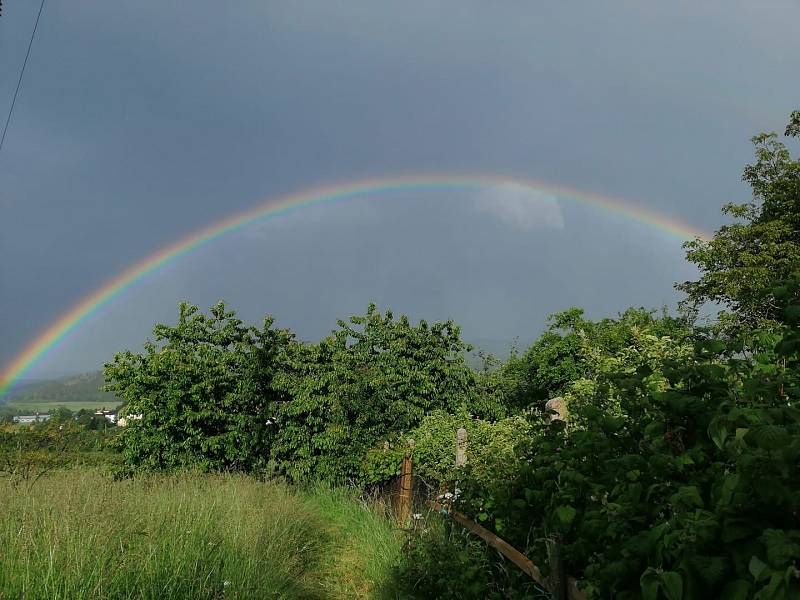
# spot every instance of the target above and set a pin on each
(448, 495)
(416, 516)
(226, 583)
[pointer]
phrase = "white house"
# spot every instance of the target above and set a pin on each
(110, 415)
(28, 419)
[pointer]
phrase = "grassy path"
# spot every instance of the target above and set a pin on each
(76, 534)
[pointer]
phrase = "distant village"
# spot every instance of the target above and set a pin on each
(110, 415)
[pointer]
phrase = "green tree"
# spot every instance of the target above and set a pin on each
(373, 377)
(567, 351)
(744, 261)
(203, 390)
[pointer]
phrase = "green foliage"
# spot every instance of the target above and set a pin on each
(743, 263)
(204, 392)
(566, 351)
(370, 379)
(682, 487)
(28, 452)
(443, 560)
(490, 450)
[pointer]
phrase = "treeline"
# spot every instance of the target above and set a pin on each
(672, 474)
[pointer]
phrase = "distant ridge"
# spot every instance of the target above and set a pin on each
(84, 387)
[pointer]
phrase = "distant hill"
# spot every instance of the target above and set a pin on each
(83, 389)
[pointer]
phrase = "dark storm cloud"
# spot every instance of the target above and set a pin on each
(141, 121)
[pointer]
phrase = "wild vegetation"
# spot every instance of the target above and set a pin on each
(78, 534)
(672, 474)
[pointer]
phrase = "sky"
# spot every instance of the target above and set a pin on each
(139, 122)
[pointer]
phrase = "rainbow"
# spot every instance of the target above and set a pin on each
(81, 312)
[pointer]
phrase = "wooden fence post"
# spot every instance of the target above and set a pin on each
(558, 577)
(406, 496)
(461, 447)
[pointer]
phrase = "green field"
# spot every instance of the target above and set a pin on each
(75, 392)
(42, 406)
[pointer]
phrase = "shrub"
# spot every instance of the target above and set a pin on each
(371, 379)
(443, 560)
(490, 450)
(688, 488)
(204, 392)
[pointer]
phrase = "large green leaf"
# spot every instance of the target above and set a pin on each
(758, 568)
(768, 437)
(650, 582)
(565, 515)
(672, 585)
(717, 431)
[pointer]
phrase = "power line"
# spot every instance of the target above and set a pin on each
(21, 73)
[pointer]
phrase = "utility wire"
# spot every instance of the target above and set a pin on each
(21, 73)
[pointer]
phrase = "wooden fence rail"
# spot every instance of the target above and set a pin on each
(561, 586)
(493, 540)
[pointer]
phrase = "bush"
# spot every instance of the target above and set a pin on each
(490, 450)
(373, 378)
(444, 560)
(204, 392)
(680, 486)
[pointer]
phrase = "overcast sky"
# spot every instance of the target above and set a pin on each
(140, 121)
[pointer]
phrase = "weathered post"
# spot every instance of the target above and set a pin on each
(558, 578)
(406, 487)
(461, 447)
(557, 409)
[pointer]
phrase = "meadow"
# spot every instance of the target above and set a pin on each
(30, 407)
(76, 533)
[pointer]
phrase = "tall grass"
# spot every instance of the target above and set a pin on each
(368, 548)
(76, 534)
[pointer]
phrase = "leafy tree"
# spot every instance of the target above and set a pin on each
(62, 414)
(564, 353)
(745, 260)
(373, 377)
(204, 390)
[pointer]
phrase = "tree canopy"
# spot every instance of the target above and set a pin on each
(203, 390)
(373, 377)
(746, 260)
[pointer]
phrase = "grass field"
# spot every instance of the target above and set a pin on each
(77, 534)
(31, 407)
